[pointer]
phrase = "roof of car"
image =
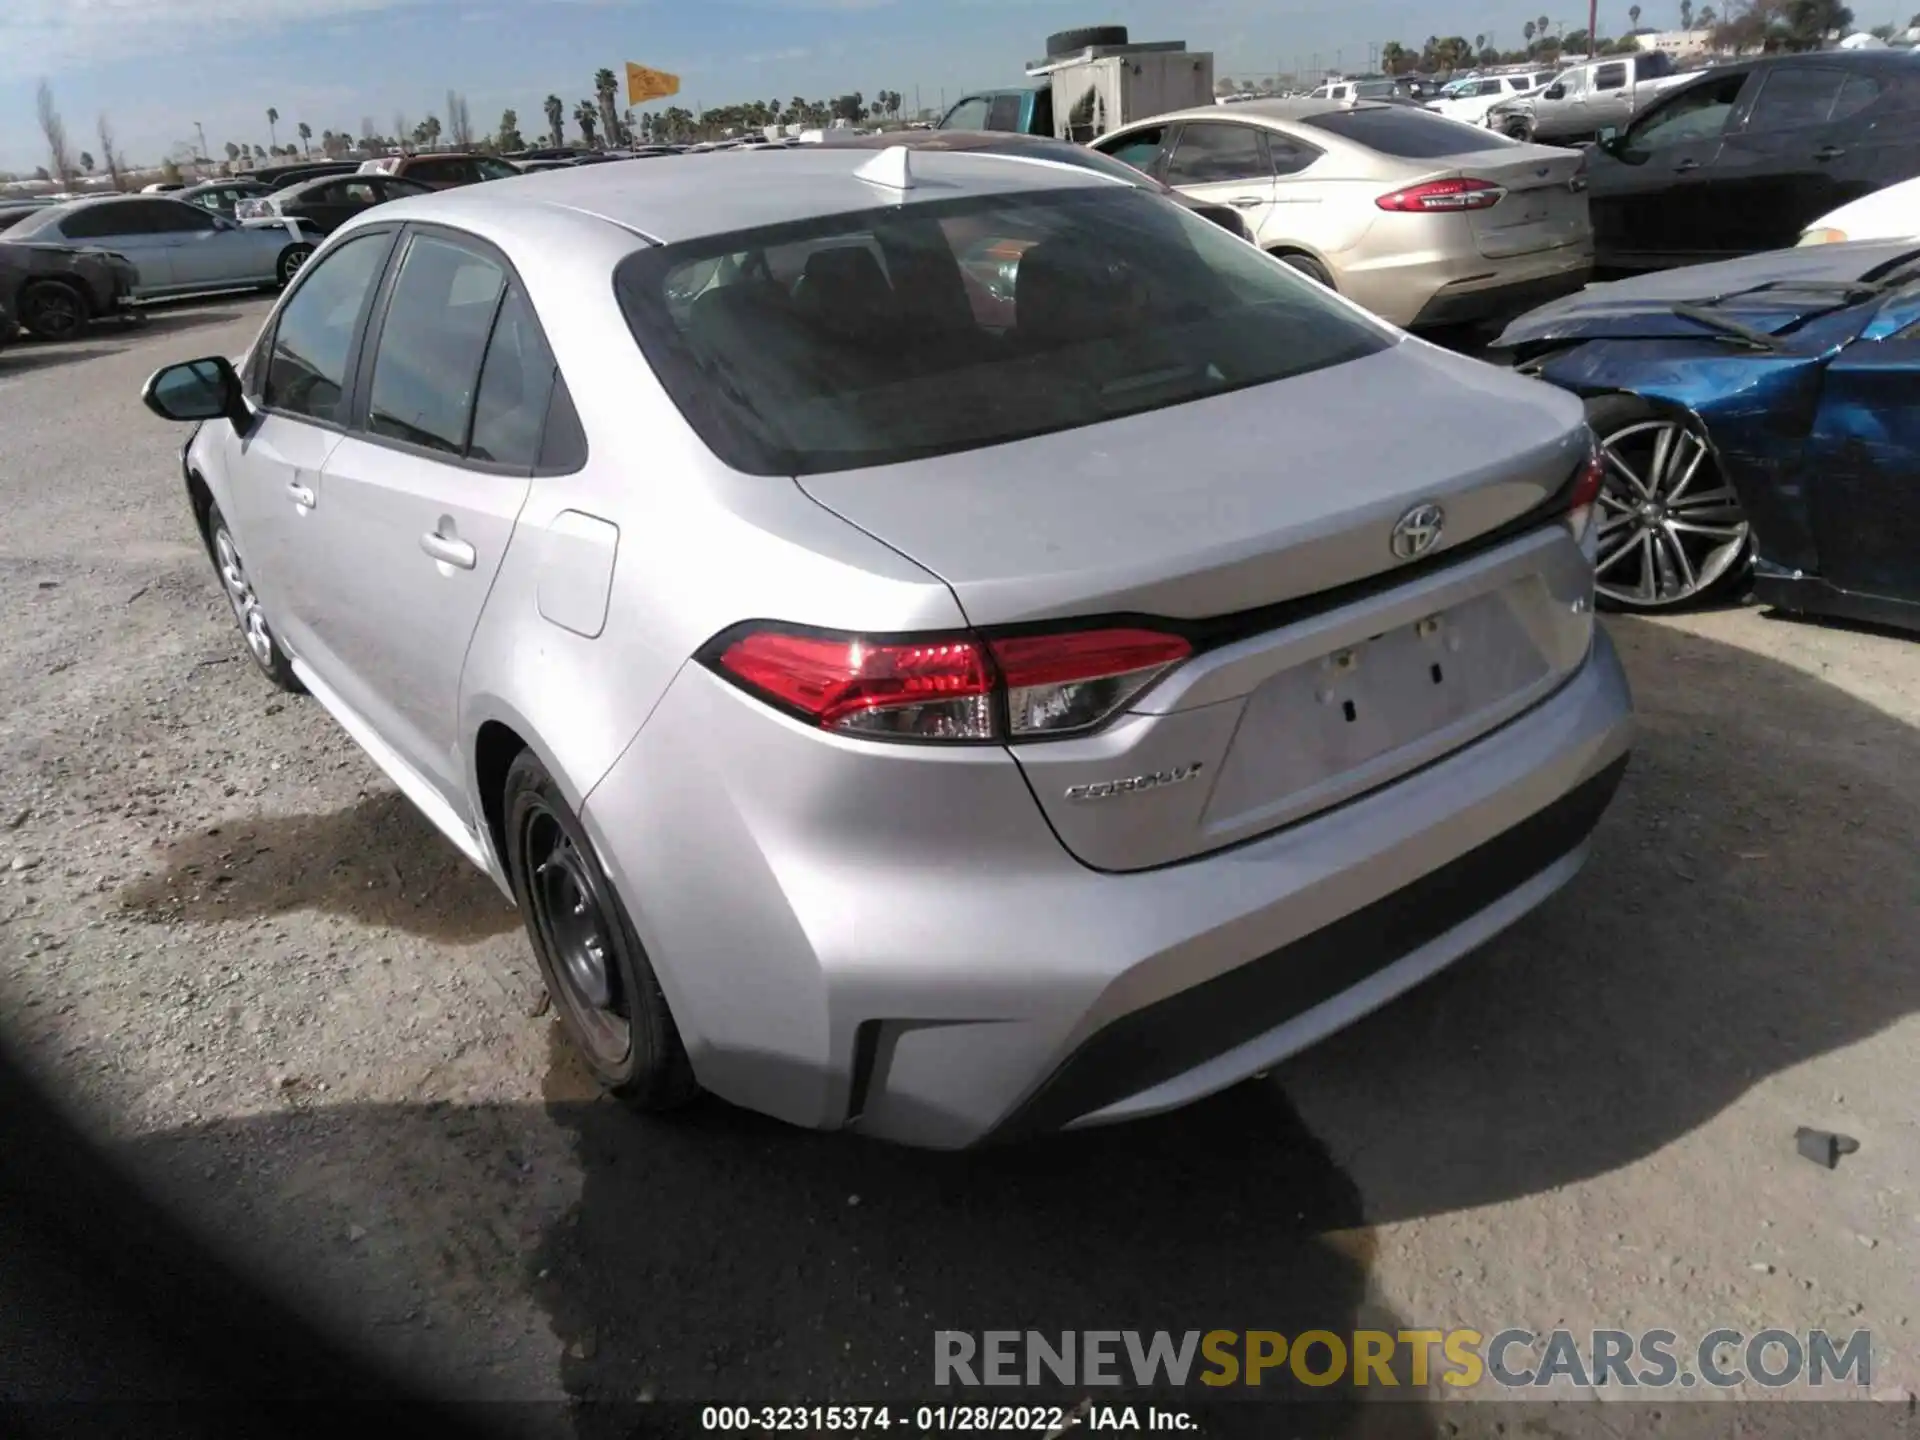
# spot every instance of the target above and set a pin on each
(712, 194)
(1275, 109)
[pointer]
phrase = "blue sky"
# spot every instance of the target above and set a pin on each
(157, 66)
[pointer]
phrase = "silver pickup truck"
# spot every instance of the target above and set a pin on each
(1583, 100)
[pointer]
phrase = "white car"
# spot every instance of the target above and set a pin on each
(1892, 213)
(1470, 100)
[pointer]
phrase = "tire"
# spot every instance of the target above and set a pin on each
(54, 310)
(596, 971)
(290, 261)
(263, 647)
(1672, 531)
(1518, 127)
(1071, 42)
(1307, 266)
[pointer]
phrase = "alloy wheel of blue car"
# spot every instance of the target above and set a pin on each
(1671, 526)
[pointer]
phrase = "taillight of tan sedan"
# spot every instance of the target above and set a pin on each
(1423, 220)
(894, 705)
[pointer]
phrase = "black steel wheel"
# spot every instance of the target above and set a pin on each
(1672, 531)
(53, 310)
(265, 651)
(601, 982)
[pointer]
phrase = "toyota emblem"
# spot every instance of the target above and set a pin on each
(1417, 531)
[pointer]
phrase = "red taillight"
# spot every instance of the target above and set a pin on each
(933, 689)
(951, 687)
(1586, 484)
(1584, 493)
(1443, 197)
(1058, 683)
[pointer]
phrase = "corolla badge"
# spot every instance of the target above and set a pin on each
(1417, 531)
(1133, 784)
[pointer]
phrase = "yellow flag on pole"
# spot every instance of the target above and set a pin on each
(644, 84)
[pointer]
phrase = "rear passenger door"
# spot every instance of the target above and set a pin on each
(1224, 163)
(1779, 168)
(418, 501)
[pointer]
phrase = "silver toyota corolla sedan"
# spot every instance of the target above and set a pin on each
(897, 705)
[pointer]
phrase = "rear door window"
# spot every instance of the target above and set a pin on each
(1004, 113)
(1611, 77)
(1792, 96)
(516, 383)
(1290, 156)
(1406, 133)
(1209, 153)
(427, 363)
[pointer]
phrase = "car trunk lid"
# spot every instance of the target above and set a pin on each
(1545, 207)
(1261, 523)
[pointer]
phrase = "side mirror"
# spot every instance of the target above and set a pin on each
(197, 390)
(1555, 92)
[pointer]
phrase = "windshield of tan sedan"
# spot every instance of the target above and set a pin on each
(926, 329)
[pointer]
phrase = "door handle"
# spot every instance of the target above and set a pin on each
(1828, 152)
(448, 550)
(1686, 165)
(300, 494)
(1247, 202)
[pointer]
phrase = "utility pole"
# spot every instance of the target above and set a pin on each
(198, 129)
(1593, 22)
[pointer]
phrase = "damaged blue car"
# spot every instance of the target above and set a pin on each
(1761, 423)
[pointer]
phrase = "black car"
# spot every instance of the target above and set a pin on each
(334, 199)
(54, 290)
(275, 177)
(1745, 157)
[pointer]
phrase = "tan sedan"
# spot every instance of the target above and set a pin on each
(1423, 220)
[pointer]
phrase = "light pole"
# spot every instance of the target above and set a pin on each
(201, 132)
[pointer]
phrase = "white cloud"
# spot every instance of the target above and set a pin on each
(45, 37)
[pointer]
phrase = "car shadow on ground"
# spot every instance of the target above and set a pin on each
(1748, 907)
(378, 862)
(23, 356)
(158, 319)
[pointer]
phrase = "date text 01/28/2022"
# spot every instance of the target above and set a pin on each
(929, 1419)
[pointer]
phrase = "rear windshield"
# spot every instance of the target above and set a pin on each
(931, 328)
(1407, 133)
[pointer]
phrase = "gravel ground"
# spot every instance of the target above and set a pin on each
(273, 991)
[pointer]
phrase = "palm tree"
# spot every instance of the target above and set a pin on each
(556, 119)
(1633, 17)
(1541, 27)
(1708, 18)
(1686, 14)
(604, 87)
(86, 161)
(1479, 43)
(306, 134)
(432, 125)
(1527, 30)
(587, 116)
(273, 119)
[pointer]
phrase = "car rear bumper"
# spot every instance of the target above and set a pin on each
(901, 946)
(1500, 300)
